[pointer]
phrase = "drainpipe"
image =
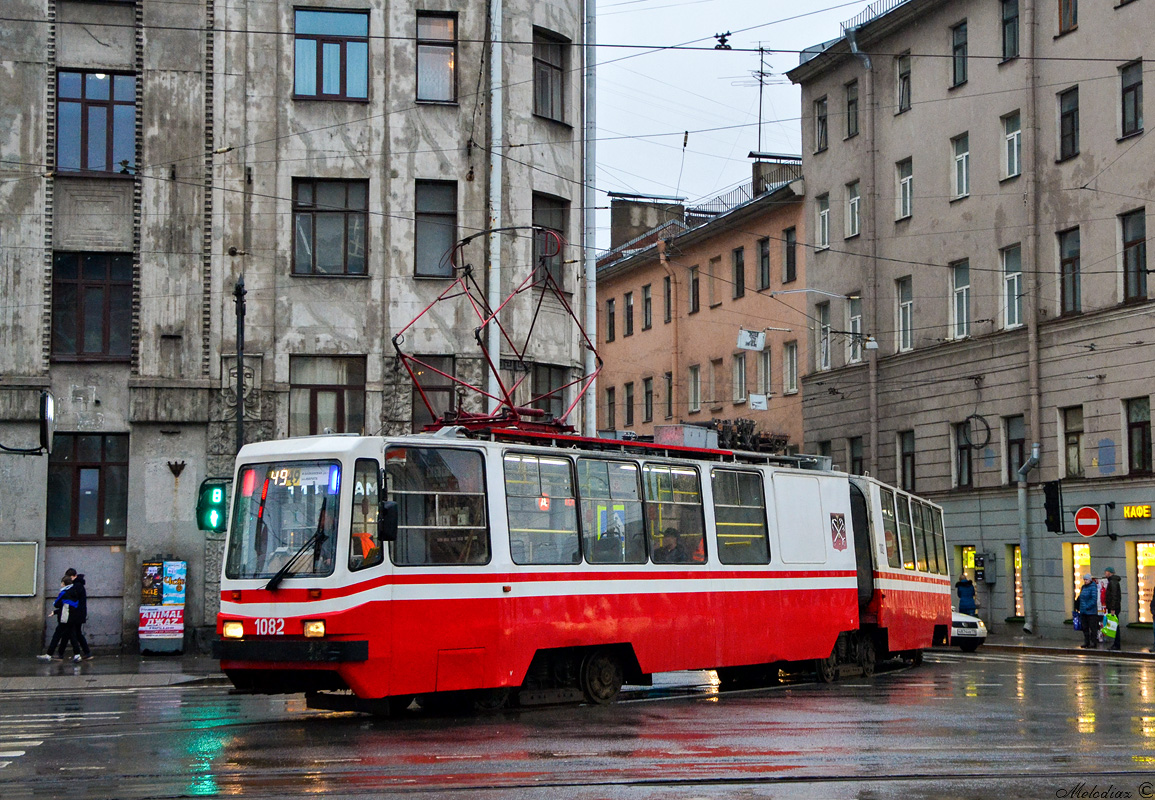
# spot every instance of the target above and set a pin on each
(496, 179)
(1028, 600)
(674, 314)
(589, 227)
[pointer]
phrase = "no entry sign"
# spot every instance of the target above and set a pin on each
(1087, 521)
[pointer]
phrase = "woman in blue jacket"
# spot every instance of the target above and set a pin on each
(1087, 606)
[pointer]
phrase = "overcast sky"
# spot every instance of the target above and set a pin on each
(643, 94)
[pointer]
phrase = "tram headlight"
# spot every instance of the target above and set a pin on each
(314, 628)
(233, 630)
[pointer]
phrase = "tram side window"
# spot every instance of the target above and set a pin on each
(440, 494)
(674, 522)
(542, 510)
(925, 549)
(890, 529)
(740, 514)
(611, 503)
(364, 547)
(940, 541)
(905, 535)
(933, 553)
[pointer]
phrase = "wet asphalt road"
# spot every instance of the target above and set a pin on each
(989, 725)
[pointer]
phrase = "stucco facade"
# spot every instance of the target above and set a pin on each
(232, 126)
(996, 151)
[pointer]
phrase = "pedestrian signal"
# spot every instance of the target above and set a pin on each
(1053, 505)
(212, 504)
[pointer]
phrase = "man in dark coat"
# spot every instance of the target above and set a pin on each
(80, 594)
(1113, 600)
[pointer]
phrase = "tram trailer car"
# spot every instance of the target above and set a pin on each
(367, 571)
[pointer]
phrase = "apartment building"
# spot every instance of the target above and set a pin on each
(677, 305)
(983, 171)
(154, 153)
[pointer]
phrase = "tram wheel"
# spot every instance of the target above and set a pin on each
(826, 668)
(601, 677)
(867, 656)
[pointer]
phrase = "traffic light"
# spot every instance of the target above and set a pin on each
(212, 504)
(1053, 505)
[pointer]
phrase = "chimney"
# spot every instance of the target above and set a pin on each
(632, 215)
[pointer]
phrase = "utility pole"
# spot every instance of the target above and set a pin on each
(239, 297)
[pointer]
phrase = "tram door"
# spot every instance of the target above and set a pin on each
(863, 556)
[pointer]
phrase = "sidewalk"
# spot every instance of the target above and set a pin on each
(1136, 644)
(108, 672)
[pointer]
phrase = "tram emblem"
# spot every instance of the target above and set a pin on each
(838, 531)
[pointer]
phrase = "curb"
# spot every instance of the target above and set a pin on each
(1068, 651)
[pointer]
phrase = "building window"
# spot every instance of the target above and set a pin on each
(647, 400)
(853, 200)
(820, 131)
(851, 109)
(716, 382)
(549, 385)
(647, 308)
(764, 372)
(790, 255)
(790, 368)
(1132, 81)
(1012, 286)
(435, 374)
(550, 215)
(824, 222)
(669, 376)
(695, 387)
(905, 294)
(1068, 15)
(962, 165)
(1144, 578)
(1071, 291)
(902, 82)
(1010, 29)
(738, 374)
(695, 289)
(855, 338)
(1139, 435)
(329, 223)
(1069, 124)
(332, 55)
(549, 53)
(92, 305)
(904, 173)
(667, 298)
(906, 460)
(713, 270)
(628, 314)
(1073, 442)
(1012, 145)
(435, 228)
(961, 309)
(95, 122)
(1015, 429)
(87, 487)
(629, 404)
(326, 392)
(854, 448)
(436, 58)
(738, 260)
(822, 313)
(958, 52)
(962, 461)
(611, 409)
(1134, 230)
(610, 321)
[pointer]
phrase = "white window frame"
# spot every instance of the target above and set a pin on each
(790, 368)
(903, 91)
(904, 195)
(853, 200)
(823, 221)
(1012, 145)
(961, 177)
(904, 313)
(822, 312)
(738, 375)
(764, 377)
(694, 389)
(960, 310)
(1012, 289)
(854, 325)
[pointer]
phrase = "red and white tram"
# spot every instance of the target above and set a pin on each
(365, 571)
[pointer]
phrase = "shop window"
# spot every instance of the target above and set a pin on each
(1144, 578)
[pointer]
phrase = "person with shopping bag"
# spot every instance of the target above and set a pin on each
(1112, 603)
(1087, 607)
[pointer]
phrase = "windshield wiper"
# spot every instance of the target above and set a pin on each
(315, 540)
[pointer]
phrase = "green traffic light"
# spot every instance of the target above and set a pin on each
(211, 504)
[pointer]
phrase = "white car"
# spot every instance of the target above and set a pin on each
(967, 632)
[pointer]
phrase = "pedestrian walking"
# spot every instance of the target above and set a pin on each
(1087, 607)
(1112, 602)
(63, 609)
(80, 594)
(966, 595)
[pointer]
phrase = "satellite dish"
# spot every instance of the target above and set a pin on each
(47, 421)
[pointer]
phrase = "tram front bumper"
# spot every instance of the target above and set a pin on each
(291, 651)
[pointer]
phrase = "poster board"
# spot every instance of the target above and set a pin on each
(19, 564)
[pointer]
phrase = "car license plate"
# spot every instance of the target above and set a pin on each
(966, 632)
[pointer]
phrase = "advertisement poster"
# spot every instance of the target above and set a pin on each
(151, 580)
(159, 622)
(175, 577)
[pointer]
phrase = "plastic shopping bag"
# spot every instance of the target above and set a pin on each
(1077, 621)
(1110, 626)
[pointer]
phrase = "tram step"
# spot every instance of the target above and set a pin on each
(540, 697)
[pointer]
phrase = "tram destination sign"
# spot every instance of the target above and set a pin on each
(1087, 521)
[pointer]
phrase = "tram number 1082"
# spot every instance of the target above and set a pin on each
(270, 626)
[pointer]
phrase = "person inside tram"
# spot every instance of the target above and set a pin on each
(673, 550)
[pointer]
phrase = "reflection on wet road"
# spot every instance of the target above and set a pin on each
(983, 725)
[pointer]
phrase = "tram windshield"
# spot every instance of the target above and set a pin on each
(281, 508)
